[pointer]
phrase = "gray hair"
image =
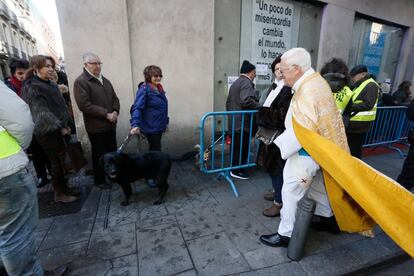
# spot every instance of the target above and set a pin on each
(299, 57)
(88, 57)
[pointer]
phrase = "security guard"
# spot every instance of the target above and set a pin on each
(364, 107)
(18, 201)
(336, 73)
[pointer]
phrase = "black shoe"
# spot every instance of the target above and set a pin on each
(42, 182)
(103, 186)
(326, 224)
(239, 175)
(275, 240)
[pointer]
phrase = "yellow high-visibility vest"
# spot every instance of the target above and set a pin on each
(8, 145)
(342, 98)
(364, 116)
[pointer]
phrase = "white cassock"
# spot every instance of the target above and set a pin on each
(301, 175)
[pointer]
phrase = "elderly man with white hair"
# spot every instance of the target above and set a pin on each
(313, 107)
(99, 104)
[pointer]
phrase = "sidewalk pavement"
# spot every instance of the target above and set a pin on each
(201, 229)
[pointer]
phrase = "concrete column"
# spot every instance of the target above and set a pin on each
(101, 28)
(178, 36)
(336, 33)
(405, 68)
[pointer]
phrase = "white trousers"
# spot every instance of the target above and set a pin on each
(300, 174)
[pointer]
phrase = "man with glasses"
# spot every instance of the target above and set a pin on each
(99, 104)
(313, 107)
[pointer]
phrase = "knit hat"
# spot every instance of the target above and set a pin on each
(247, 67)
(358, 69)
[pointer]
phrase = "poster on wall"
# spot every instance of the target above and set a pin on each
(271, 34)
(374, 46)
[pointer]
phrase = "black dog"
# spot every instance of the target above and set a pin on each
(125, 168)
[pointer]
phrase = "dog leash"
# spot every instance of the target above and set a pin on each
(127, 139)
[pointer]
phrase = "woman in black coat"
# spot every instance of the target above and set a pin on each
(271, 116)
(51, 119)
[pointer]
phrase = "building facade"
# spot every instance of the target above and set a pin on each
(200, 46)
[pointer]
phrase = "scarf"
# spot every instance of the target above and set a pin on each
(16, 84)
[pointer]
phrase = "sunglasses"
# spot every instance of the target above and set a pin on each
(157, 76)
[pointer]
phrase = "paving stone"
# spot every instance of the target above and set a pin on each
(92, 202)
(162, 251)
(153, 211)
(187, 273)
(336, 261)
(55, 257)
(241, 227)
(124, 271)
(199, 222)
(126, 265)
(44, 224)
(157, 221)
(119, 215)
(216, 255)
(113, 242)
(290, 269)
(176, 205)
(89, 266)
(266, 256)
(368, 250)
(388, 242)
(69, 229)
(130, 260)
(39, 237)
(317, 242)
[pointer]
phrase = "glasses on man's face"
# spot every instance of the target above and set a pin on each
(157, 76)
(95, 63)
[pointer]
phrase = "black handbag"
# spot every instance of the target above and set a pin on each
(266, 135)
(74, 159)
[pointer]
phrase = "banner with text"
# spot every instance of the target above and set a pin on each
(271, 34)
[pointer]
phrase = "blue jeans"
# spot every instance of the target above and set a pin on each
(277, 183)
(18, 221)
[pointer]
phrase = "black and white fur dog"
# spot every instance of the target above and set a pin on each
(125, 168)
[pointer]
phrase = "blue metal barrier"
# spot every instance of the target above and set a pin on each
(390, 126)
(223, 165)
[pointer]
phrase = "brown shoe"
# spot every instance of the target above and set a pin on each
(65, 198)
(269, 195)
(272, 211)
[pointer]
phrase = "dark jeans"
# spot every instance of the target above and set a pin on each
(101, 143)
(406, 177)
(40, 159)
(355, 141)
(237, 148)
(18, 221)
(277, 183)
(154, 141)
(54, 147)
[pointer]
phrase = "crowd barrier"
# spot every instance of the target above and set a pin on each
(218, 156)
(390, 126)
(217, 138)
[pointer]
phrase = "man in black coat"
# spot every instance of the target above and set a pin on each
(242, 96)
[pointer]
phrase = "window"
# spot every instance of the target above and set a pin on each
(377, 46)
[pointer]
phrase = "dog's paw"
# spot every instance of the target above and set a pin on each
(124, 203)
(158, 202)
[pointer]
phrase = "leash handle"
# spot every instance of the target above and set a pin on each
(124, 143)
(127, 139)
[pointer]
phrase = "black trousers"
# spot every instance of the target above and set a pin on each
(101, 143)
(154, 141)
(54, 146)
(40, 160)
(406, 177)
(355, 142)
(244, 148)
